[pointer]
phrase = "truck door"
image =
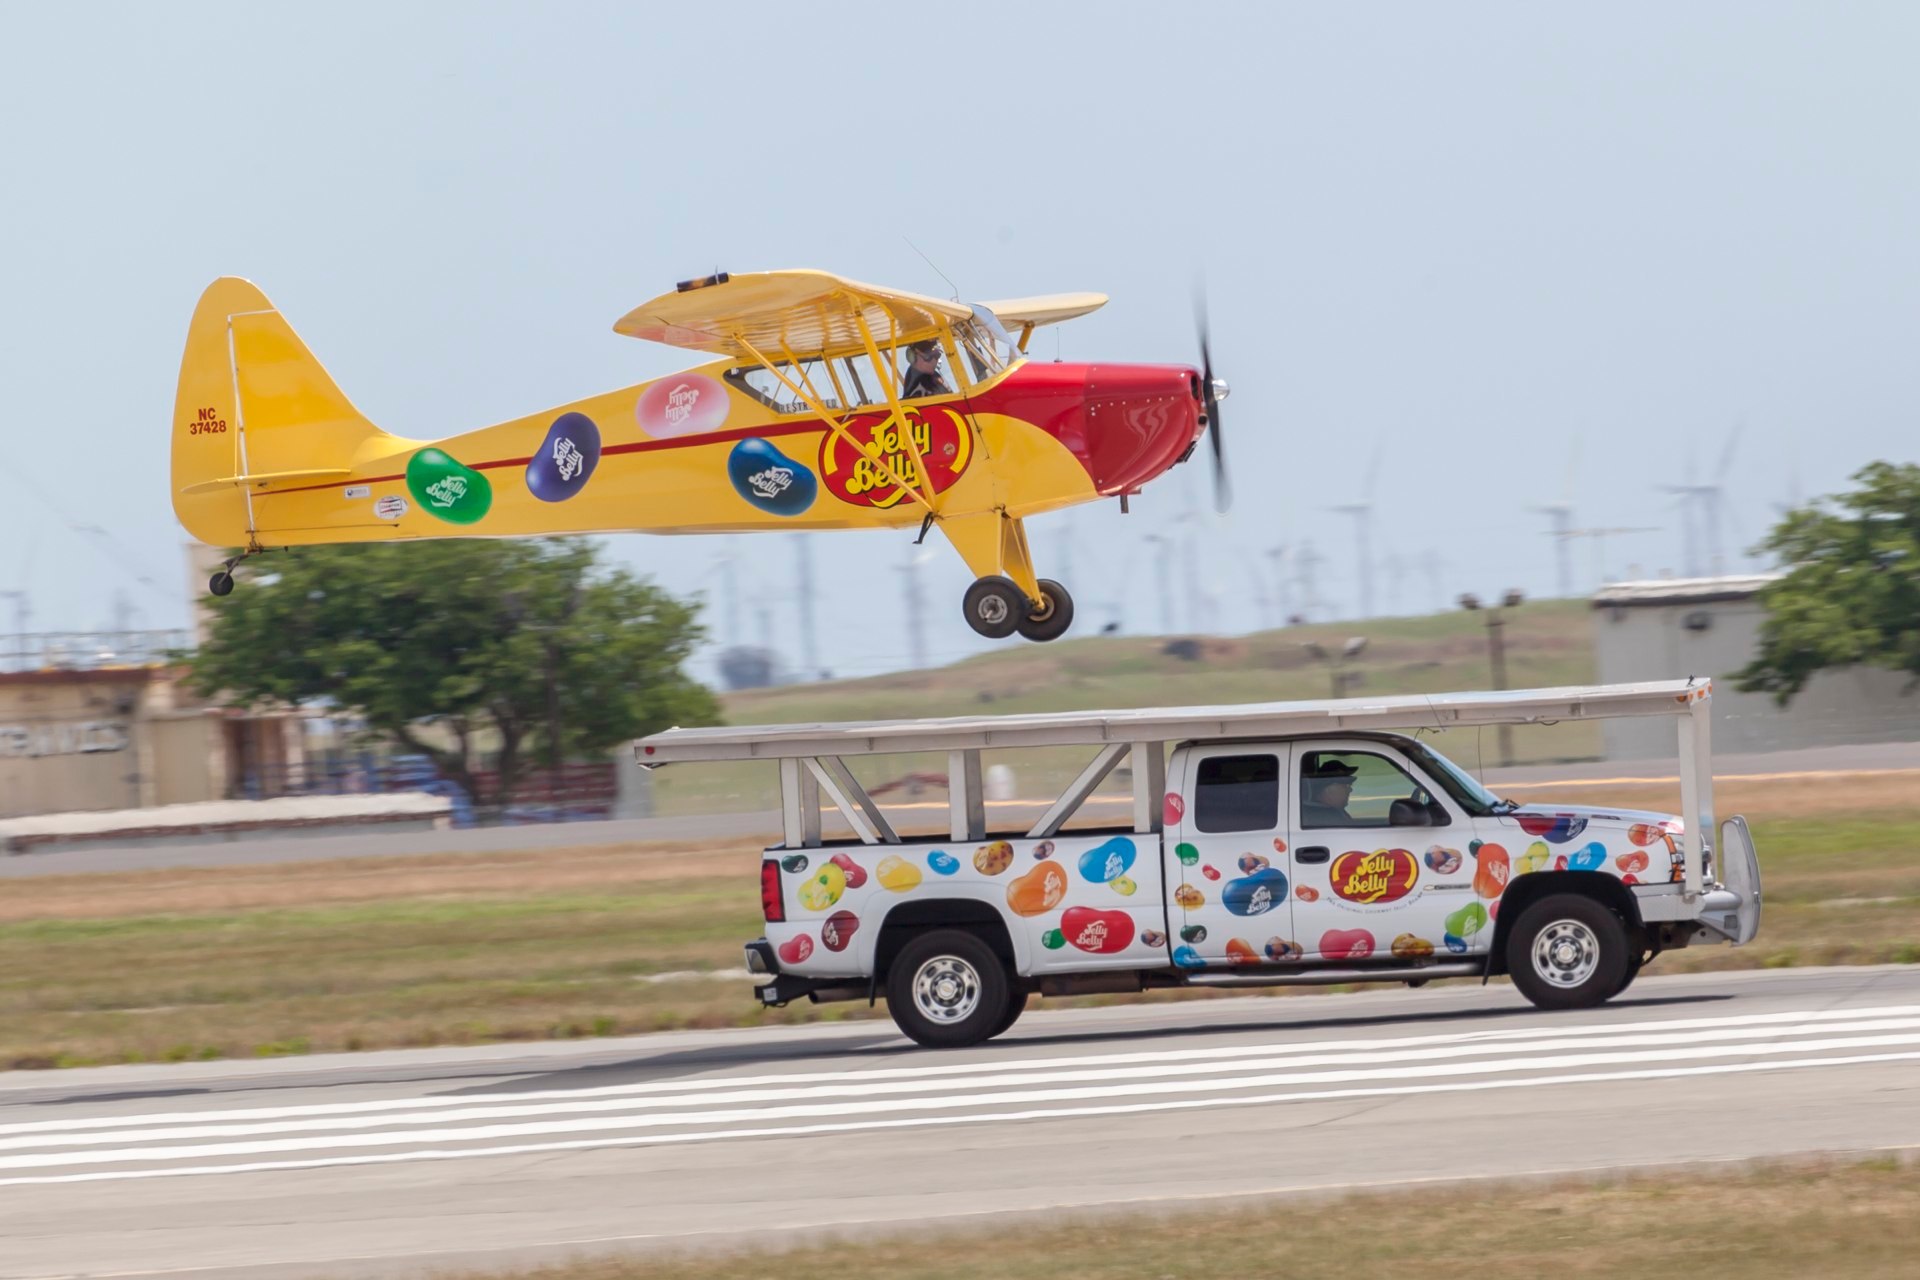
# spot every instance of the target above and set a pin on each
(1227, 900)
(1381, 859)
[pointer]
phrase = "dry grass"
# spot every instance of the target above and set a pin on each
(374, 953)
(1860, 1220)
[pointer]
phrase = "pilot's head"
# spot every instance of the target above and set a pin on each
(1330, 783)
(925, 356)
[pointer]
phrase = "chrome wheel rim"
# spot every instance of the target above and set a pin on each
(1566, 953)
(946, 990)
(992, 610)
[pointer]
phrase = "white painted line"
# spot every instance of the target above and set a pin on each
(1134, 1087)
(1058, 1113)
(1504, 1038)
(188, 1127)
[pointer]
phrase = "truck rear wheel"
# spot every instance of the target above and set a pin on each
(947, 989)
(1568, 951)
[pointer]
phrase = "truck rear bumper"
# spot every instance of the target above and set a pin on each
(786, 987)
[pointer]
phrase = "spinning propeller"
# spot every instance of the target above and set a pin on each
(1212, 392)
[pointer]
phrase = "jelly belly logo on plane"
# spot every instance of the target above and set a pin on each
(856, 471)
(1372, 879)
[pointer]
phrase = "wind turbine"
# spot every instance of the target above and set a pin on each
(1701, 511)
(1560, 516)
(1362, 513)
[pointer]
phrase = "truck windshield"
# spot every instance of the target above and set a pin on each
(1461, 785)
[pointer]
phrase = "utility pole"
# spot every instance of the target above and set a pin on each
(1497, 655)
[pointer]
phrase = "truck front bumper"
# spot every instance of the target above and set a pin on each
(1727, 909)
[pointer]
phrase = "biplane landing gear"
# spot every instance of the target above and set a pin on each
(996, 609)
(1050, 619)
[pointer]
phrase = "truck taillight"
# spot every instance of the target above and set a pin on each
(772, 907)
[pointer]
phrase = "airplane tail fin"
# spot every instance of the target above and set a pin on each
(254, 409)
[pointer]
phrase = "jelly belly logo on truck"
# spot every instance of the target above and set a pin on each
(856, 470)
(1372, 879)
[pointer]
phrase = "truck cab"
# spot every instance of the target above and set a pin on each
(1266, 857)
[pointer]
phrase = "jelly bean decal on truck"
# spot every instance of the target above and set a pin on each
(1224, 902)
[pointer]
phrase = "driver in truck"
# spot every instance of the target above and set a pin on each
(1326, 790)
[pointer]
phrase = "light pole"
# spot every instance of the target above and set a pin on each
(1497, 653)
(1341, 679)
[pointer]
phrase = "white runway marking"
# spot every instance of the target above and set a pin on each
(943, 1092)
(485, 1107)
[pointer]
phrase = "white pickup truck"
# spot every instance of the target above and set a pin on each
(1266, 844)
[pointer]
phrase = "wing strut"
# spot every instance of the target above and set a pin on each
(839, 428)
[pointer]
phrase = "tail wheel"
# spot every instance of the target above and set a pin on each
(1049, 619)
(947, 989)
(1567, 951)
(995, 607)
(221, 583)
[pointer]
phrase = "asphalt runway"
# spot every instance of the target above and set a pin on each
(308, 846)
(397, 1163)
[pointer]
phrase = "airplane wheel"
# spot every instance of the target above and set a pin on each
(1050, 622)
(995, 607)
(221, 583)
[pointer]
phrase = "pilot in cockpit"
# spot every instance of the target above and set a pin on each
(923, 372)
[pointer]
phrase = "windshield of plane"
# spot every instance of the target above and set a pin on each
(1458, 783)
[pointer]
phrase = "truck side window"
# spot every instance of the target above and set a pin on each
(1362, 789)
(1237, 793)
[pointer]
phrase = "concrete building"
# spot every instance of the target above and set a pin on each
(107, 722)
(1711, 627)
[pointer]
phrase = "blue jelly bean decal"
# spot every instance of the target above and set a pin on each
(565, 460)
(769, 479)
(1255, 895)
(1591, 858)
(1188, 958)
(1107, 862)
(942, 863)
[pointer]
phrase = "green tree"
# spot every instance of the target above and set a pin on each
(1851, 594)
(447, 647)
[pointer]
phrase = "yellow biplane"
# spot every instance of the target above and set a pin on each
(828, 404)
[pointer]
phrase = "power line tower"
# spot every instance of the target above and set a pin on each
(809, 638)
(1306, 570)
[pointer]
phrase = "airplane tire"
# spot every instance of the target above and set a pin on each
(221, 583)
(1051, 622)
(995, 607)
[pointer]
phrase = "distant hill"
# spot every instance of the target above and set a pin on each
(1548, 643)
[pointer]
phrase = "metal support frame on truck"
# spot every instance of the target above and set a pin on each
(1046, 930)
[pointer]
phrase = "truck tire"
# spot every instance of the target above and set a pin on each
(1016, 1005)
(1634, 965)
(947, 989)
(1568, 951)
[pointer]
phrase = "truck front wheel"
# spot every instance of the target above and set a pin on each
(947, 989)
(1568, 951)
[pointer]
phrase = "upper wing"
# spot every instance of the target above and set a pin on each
(807, 313)
(1047, 308)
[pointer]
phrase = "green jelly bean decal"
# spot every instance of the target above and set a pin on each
(446, 490)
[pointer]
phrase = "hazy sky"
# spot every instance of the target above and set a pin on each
(1476, 238)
